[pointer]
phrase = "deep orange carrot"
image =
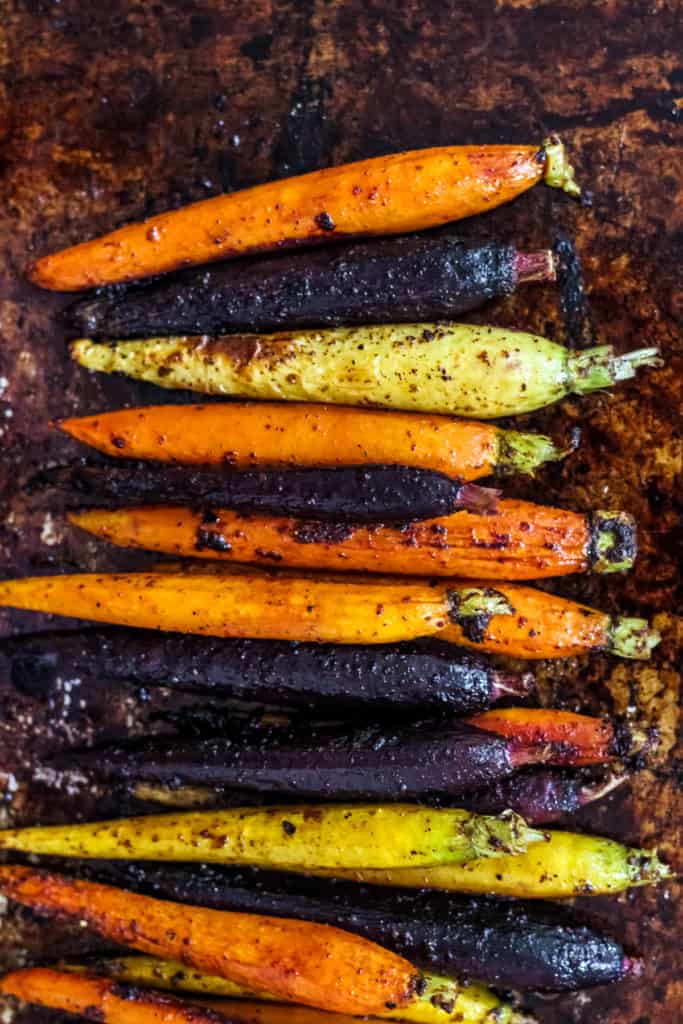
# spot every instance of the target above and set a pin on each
(520, 541)
(568, 738)
(245, 435)
(103, 1000)
(546, 626)
(252, 605)
(386, 195)
(313, 964)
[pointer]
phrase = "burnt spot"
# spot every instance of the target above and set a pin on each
(623, 535)
(497, 542)
(210, 518)
(473, 626)
(118, 441)
(563, 751)
(325, 222)
(420, 986)
(288, 828)
(271, 556)
(573, 302)
(94, 1013)
(210, 540)
(315, 532)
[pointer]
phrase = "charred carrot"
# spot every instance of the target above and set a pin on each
(359, 494)
(385, 281)
(476, 1010)
(510, 945)
(539, 795)
(248, 435)
(569, 864)
(420, 678)
(518, 541)
(387, 195)
(537, 624)
(297, 961)
(103, 1000)
(110, 993)
(457, 369)
(441, 1000)
(296, 837)
(259, 607)
(368, 761)
(546, 626)
(562, 737)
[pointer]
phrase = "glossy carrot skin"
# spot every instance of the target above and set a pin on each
(103, 1000)
(386, 195)
(546, 626)
(519, 541)
(316, 965)
(569, 864)
(259, 607)
(246, 435)
(566, 738)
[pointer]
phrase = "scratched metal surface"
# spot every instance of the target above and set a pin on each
(109, 112)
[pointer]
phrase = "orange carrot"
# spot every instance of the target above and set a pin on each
(313, 964)
(386, 195)
(568, 738)
(256, 606)
(103, 1000)
(520, 541)
(546, 626)
(245, 435)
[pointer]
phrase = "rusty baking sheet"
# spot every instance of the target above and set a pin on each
(109, 112)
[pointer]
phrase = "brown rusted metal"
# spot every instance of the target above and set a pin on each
(109, 112)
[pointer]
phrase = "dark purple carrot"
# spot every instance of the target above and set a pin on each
(391, 280)
(540, 795)
(362, 494)
(386, 761)
(511, 944)
(427, 677)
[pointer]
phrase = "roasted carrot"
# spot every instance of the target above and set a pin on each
(298, 837)
(368, 761)
(113, 996)
(246, 435)
(471, 1008)
(103, 1000)
(519, 540)
(509, 945)
(539, 795)
(358, 494)
(546, 626)
(387, 195)
(563, 736)
(297, 961)
(569, 864)
(441, 1000)
(456, 369)
(420, 678)
(423, 277)
(259, 607)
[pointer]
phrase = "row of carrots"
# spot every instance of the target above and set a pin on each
(305, 493)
